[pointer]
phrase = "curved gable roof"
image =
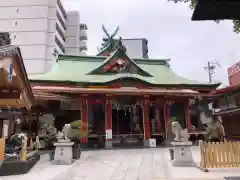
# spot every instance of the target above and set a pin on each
(75, 69)
(118, 54)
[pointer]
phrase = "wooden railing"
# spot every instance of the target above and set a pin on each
(220, 155)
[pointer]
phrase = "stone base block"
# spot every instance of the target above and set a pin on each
(178, 163)
(108, 144)
(149, 143)
(146, 143)
(182, 154)
(17, 167)
(62, 162)
(63, 153)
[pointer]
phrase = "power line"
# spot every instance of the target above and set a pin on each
(211, 66)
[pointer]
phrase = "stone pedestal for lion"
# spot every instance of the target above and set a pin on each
(63, 152)
(182, 153)
(63, 148)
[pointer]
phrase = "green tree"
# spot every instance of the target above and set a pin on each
(192, 4)
(78, 129)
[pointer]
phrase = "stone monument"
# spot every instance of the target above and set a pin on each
(63, 151)
(182, 153)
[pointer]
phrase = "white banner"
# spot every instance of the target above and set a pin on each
(109, 134)
(5, 130)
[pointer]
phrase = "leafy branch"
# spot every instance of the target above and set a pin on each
(192, 5)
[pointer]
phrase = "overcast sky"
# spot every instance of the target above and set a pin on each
(169, 30)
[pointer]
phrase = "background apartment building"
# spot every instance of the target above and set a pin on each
(41, 28)
(136, 47)
(76, 35)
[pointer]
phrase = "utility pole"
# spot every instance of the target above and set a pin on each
(211, 66)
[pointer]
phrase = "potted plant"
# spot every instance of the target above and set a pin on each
(78, 131)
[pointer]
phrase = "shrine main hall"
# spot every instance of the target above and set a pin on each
(123, 100)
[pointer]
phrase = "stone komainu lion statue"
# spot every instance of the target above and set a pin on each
(180, 134)
(66, 131)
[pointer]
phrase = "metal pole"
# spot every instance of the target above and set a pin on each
(210, 69)
(209, 72)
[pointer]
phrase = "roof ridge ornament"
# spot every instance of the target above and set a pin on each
(120, 45)
(108, 43)
(108, 35)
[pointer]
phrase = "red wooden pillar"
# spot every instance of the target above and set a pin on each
(187, 116)
(108, 123)
(146, 121)
(84, 117)
(166, 114)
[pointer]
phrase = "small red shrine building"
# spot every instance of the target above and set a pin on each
(227, 101)
(123, 99)
(16, 97)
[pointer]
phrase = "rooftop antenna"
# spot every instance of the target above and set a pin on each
(211, 66)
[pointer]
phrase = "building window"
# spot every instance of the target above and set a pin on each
(60, 32)
(62, 9)
(17, 10)
(61, 21)
(83, 48)
(83, 27)
(14, 36)
(15, 23)
(59, 44)
(82, 38)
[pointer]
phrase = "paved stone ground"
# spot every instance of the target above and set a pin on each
(134, 164)
(127, 164)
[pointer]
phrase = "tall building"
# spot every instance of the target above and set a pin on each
(234, 74)
(76, 35)
(136, 47)
(40, 28)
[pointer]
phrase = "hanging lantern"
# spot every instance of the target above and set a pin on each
(134, 110)
(170, 102)
(10, 73)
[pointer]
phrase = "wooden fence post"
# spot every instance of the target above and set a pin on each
(31, 144)
(23, 155)
(203, 161)
(2, 149)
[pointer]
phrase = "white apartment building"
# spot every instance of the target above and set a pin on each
(40, 28)
(136, 47)
(76, 35)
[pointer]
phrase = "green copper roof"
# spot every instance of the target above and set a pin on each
(76, 69)
(116, 66)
